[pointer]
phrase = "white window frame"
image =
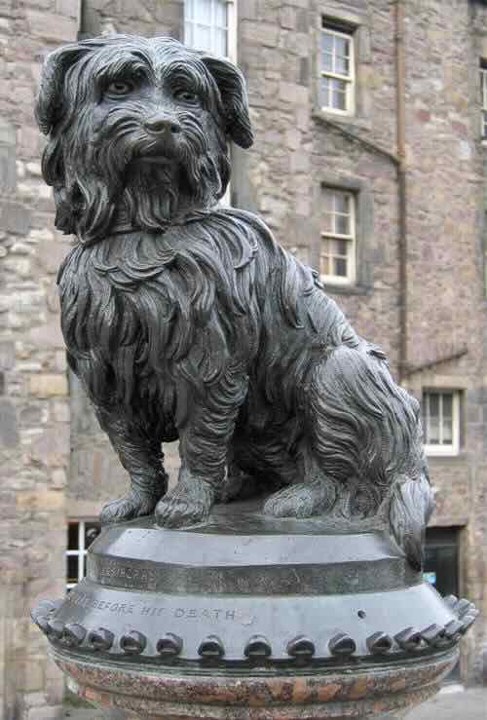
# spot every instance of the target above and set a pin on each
(231, 55)
(81, 551)
(449, 449)
(349, 80)
(351, 240)
(231, 27)
(483, 101)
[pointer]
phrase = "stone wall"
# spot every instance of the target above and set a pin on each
(34, 402)
(447, 308)
(297, 149)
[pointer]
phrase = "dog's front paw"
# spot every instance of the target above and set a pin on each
(185, 505)
(128, 507)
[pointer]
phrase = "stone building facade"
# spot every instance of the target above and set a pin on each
(407, 157)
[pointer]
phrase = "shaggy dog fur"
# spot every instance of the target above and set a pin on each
(186, 320)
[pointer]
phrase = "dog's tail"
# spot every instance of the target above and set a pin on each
(410, 507)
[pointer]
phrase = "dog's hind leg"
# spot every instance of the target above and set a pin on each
(204, 436)
(259, 464)
(336, 428)
(314, 496)
(141, 455)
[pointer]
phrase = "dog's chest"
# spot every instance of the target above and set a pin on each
(159, 300)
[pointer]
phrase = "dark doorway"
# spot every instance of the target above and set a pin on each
(441, 568)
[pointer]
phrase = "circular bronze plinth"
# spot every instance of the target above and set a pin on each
(248, 618)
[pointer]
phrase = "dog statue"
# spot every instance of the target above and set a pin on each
(186, 320)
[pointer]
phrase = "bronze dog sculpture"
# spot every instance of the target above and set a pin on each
(183, 319)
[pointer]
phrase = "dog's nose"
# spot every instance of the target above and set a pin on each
(163, 125)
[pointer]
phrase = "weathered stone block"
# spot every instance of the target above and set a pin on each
(7, 355)
(40, 501)
(51, 254)
(9, 434)
(51, 449)
(70, 8)
(48, 335)
(48, 385)
(51, 26)
(8, 170)
(15, 217)
(293, 93)
(46, 713)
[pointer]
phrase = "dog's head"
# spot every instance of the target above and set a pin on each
(137, 131)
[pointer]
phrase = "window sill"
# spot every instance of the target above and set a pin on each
(355, 289)
(327, 117)
(461, 455)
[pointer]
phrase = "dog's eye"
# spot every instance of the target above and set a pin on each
(120, 87)
(186, 96)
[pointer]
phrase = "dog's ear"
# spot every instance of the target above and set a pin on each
(231, 84)
(49, 105)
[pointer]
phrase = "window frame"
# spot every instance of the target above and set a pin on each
(351, 239)
(231, 28)
(443, 450)
(338, 30)
(81, 551)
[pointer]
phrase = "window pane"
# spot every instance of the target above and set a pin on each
(434, 405)
(92, 530)
(72, 568)
(188, 34)
(325, 265)
(342, 202)
(327, 225)
(202, 11)
(447, 405)
(342, 47)
(327, 43)
(342, 224)
(434, 431)
(340, 267)
(220, 9)
(325, 92)
(202, 37)
(341, 248)
(72, 536)
(447, 434)
(342, 65)
(338, 94)
(220, 43)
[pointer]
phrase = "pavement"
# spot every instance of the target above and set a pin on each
(452, 703)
